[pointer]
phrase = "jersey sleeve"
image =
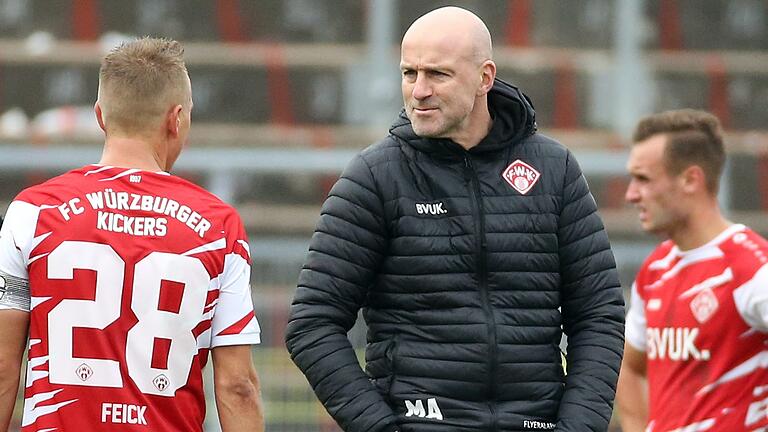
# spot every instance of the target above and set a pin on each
(234, 322)
(636, 323)
(751, 300)
(16, 242)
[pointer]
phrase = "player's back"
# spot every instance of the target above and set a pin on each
(133, 276)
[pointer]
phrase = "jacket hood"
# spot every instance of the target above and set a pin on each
(513, 119)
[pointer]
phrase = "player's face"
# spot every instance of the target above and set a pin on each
(440, 84)
(655, 193)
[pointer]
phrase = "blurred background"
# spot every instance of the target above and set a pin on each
(286, 92)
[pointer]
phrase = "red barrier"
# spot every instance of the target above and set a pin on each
(719, 101)
(230, 22)
(518, 27)
(86, 20)
(279, 86)
(565, 98)
(762, 180)
(670, 36)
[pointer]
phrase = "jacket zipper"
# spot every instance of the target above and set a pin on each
(481, 251)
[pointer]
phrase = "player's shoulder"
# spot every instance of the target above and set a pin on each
(745, 250)
(201, 197)
(660, 256)
(51, 189)
(654, 265)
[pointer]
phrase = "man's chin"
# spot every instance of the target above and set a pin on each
(425, 132)
(656, 230)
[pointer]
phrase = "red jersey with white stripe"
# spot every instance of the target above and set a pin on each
(134, 276)
(701, 317)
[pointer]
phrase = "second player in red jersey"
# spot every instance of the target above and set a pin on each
(696, 328)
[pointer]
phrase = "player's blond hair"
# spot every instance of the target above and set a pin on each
(694, 137)
(140, 81)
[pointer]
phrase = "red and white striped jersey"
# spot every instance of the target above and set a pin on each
(133, 277)
(701, 317)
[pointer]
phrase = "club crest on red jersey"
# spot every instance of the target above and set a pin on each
(704, 305)
(521, 176)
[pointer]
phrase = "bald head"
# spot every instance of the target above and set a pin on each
(447, 72)
(453, 29)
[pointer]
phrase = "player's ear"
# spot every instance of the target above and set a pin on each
(694, 179)
(99, 115)
(173, 120)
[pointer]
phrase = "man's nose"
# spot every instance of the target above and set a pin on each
(632, 195)
(421, 88)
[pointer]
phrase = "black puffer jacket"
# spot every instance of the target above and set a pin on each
(466, 285)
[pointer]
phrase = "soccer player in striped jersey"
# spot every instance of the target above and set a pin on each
(124, 277)
(696, 348)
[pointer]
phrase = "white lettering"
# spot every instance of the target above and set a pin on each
(183, 214)
(140, 226)
(416, 409)
(135, 201)
(117, 413)
(433, 411)
(101, 221)
(128, 224)
(170, 210)
(96, 199)
(202, 227)
(535, 424)
(109, 198)
(146, 203)
(159, 205)
(73, 205)
(433, 209)
(105, 407)
(123, 413)
(675, 343)
(149, 226)
(160, 223)
(122, 201)
(194, 218)
(64, 210)
(146, 226)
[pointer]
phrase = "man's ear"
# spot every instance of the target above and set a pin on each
(488, 75)
(693, 179)
(99, 116)
(173, 120)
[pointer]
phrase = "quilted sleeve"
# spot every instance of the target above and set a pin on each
(344, 256)
(592, 308)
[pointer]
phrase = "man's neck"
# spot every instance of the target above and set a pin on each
(702, 227)
(131, 153)
(478, 126)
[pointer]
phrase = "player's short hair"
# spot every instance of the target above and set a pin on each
(693, 138)
(139, 81)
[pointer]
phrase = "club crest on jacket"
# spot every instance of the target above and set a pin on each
(521, 176)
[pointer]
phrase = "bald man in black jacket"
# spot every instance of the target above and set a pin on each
(472, 243)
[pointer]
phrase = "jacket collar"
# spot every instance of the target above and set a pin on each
(513, 119)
